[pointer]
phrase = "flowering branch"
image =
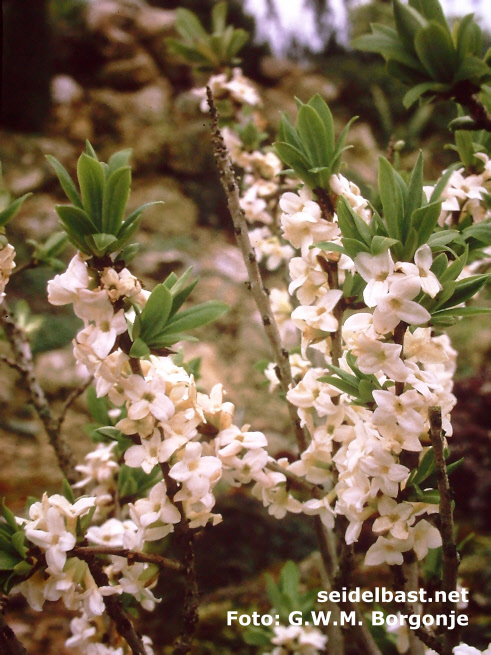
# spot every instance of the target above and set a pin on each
(25, 365)
(229, 183)
(131, 555)
(115, 610)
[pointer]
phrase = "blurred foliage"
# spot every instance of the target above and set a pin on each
(252, 53)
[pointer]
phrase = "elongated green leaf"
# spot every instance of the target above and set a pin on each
(431, 10)
(408, 22)
(479, 231)
(424, 221)
(139, 349)
(442, 182)
(314, 137)
(219, 17)
(415, 193)
(465, 290)
(155, 313)
(91, 180)
(321, 107)
(438, 239)
(385, 41)
(391, 198)
(436, 51)
(188, 25)
(288, 134)
(422, 89)
(196, 317)
(75, 220)
(469, 37)
(8, 561)
(9, 517)
(381, 244)
(455, 268)
(116, 194)
(328, 246)
(461, 311)
(101, 243)
(9, 212)
(439, 265)
(67, 184)
(119, 159)
(294, 158)
(350, 389)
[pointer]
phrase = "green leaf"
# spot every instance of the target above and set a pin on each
(415, 193)
(119, 160)
(479, 231)
(294, 158)
(431, 10)
(90, 150)
(155, 313)
(439, 265)
(408, 22)
(436, 51)
(438, 239)
(9, 212)
(290, 580)
(97, 407)
(9, 517)
(346, 387)
(91, 180)
(257, 636)
(321, 107)
(425, 219)
(425, 468)
(116, 194)
(68, 491)
(139, 349)
(188, 25)
(100, 243)
(422, 89)
(67, 184)
(219, 16)
(386, 42)
(391, 197)
(328, 246)
(18, 541)
(196, 316)
(8, 561)
(465, 290)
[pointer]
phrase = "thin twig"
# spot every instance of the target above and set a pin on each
(131, 555)
(450, 555)
(71, 399)
(23, 355)
(296, 481)
(229, 183)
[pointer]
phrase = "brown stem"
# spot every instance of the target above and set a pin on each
(25, 364)
(465, 94)
(70, 400)
(450, 555)
(84, 552)
(115, 610)
(9, 644)
(229, 183)
(185, 537)
(429, 640)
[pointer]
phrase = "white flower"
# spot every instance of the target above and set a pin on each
(157, 507)
(64, 288)
(423, 260)
(398, 306)
(374, 269)
(54, 540)
(401, 409)
(374, 356)
(148, 397)
(319, 316)
(102, 337)
(196, 473)
(148, 454)
(387, 551)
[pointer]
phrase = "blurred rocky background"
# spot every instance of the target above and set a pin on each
(99, 70)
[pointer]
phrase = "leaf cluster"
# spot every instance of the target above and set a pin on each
(14, 566)
(207, 51)
(160, 324)
(285, 597)
(309, 147)
(94, 222)
(425, 54)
